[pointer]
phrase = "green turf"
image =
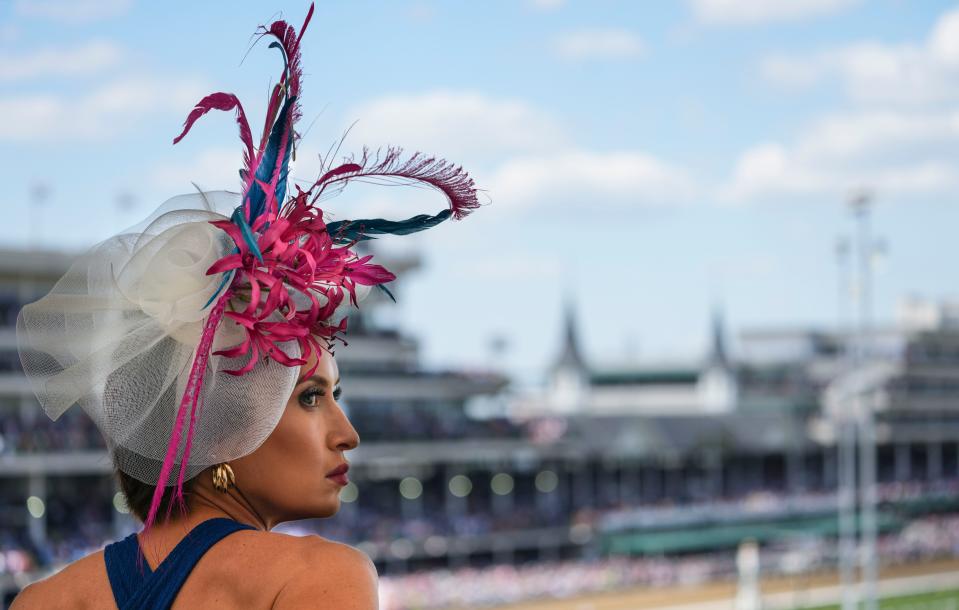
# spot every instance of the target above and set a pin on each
(942, 600)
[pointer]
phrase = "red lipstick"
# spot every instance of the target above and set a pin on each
(338, 474)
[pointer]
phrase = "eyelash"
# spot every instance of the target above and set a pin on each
(337, 392)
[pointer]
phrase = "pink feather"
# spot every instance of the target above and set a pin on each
(452, 180)
(222, 101)
(190, 397)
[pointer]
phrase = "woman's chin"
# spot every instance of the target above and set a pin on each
(326, 507)
(320, 503)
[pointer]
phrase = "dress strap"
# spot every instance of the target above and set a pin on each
(127, 568)
(140, 588)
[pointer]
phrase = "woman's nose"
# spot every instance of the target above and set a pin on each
(347, 436)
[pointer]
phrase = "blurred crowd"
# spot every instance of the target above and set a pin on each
(73, 431)
(503, 584)
(84, 531)
(357, 525)
(391, 421)
(926, 538)
(758, 504)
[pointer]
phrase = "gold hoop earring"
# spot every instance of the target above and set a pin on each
(223, 477)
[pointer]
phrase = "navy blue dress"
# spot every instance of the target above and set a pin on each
(136, 586)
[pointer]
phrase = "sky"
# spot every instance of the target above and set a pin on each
(650, 161)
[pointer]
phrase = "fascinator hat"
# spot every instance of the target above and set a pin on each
(183, 336)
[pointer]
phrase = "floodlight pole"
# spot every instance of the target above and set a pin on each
(864, 410)
(846, 454)
(847, 510)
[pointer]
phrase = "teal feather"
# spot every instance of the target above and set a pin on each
(256, 198)
(219, 289)
(359, 230)
(247, 232)
(388, 293)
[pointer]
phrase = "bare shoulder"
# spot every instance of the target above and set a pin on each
(297, 551)
(72, 587)
(337, 574)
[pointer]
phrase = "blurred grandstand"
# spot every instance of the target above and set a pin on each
(607, 478)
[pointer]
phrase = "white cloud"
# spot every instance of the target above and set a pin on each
(893, 152)
(518, 154)
(590, 180)
(460, 126)
(90, 58)
(878, 138)
(899, 137)
(213, 169)
(599, 44)
(767, 171)
(72, 11)
(756, 12)
(943, 44)
(100, 114)
(873, 72)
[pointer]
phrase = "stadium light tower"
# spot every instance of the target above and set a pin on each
(846, 452)
(865, 249)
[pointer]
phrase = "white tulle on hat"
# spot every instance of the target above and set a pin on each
(118, 332)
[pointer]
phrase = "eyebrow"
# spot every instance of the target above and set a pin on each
(319, 379)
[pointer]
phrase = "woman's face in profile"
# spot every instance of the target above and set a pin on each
(286, 477)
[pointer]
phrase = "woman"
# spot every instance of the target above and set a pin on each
(201, 342)
(281, 481)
